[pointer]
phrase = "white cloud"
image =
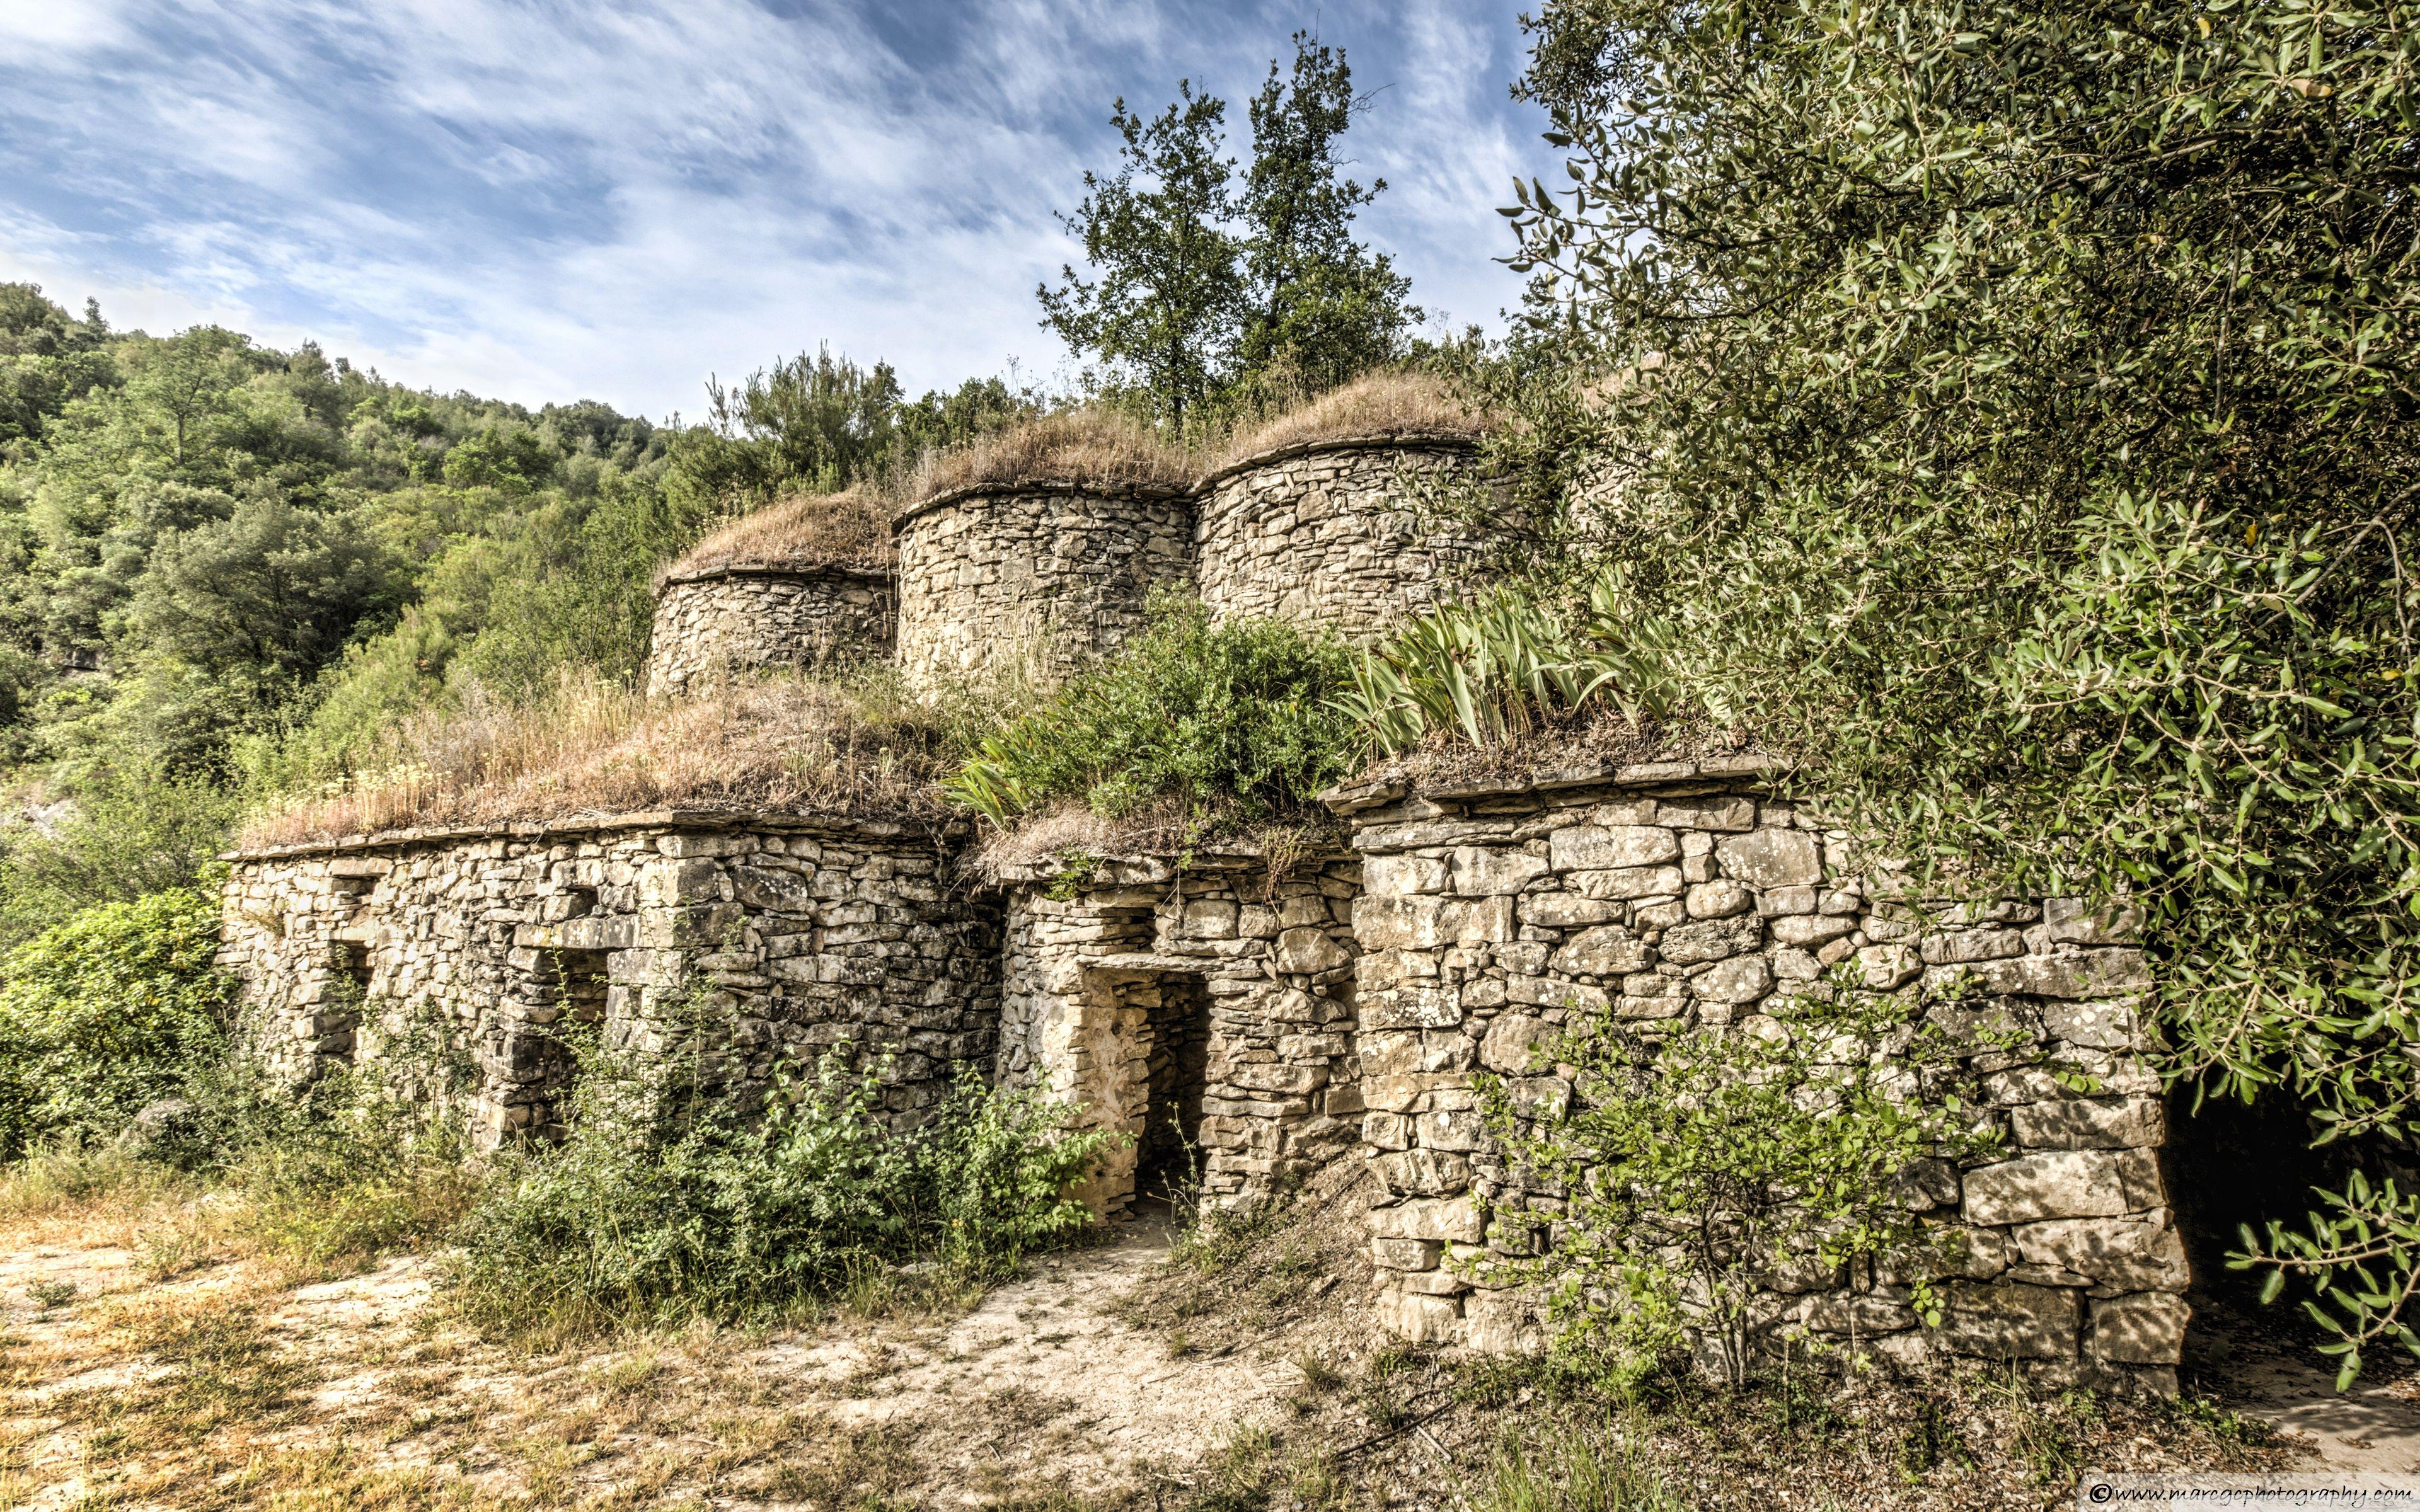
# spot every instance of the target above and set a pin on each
(547, 202)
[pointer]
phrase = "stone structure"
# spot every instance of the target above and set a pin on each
(1496, 915)
(785, 935)
(1033, 577)
(1247, 1016)
(1207, 1011)
(744, 618)
(1331, 534)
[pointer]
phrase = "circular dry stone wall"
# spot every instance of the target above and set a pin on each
(1331, 534)
(740, 619)
(1030, 578)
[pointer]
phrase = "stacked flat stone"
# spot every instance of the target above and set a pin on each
(1332, 534)
(794, 934)
(1030, 578)
(1497, 916)
(745, 618)
(1087, 968)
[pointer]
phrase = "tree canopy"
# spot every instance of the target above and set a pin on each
(2012, 407)
(1204, 289)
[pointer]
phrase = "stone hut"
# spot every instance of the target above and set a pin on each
(769, 935)
(1207, 1011)
(808, 582)
(1031, 578)
(1331, 534)
(1497, 914)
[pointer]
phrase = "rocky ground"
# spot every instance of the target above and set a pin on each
(143, 1366)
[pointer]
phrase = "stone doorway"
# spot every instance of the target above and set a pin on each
(1139, 1059)
(571, 987)
(1177, 1026)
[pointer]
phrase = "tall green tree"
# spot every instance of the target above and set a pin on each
(1166, 298)
(2013, 408)
(1322, 307)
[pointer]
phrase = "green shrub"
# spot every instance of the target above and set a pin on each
(109, 1010)
(1240, 718)
(1700, 1161)
(658, 1207)
(1511, 664)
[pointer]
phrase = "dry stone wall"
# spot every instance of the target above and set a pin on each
(1030, 578)
(772, 938)
(747, 618)
(1100, 975)
(1493, 919)
(1331, 536)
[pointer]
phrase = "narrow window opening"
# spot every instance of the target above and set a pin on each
(572, 986)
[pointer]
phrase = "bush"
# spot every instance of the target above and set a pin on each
(1509, 665)
(659, 1208)
(108, 1011)
(1241, 717)
(1701, 1162)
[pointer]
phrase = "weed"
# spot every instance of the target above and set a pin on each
(1180, 1344)
(1317, 1373)
(47, 1295)
(1572, 1470)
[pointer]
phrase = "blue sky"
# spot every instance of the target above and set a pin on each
(550, 199)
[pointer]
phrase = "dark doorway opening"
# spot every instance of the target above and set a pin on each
(573, 985)
(348, 984)
(2229, 1164)
(1167, 1156)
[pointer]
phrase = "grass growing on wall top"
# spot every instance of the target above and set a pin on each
(849, 527)
(590, 745)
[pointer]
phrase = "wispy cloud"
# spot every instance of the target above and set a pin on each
(545, 202)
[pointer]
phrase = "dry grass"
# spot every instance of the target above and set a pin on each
(850, 528)
(1388, 403)
(1089, 448)
(590, 747)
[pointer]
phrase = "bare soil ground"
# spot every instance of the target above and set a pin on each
(141, 1366)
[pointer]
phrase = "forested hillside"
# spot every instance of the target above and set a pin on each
(226, 568)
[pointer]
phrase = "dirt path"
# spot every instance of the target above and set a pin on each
(2252, 1364)
(1041, 1387)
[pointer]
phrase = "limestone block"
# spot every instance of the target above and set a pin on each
(1718, 900)
(2066, 973)
(1605, 950)
(1388, 1131)
(2091, 1123)
(1545, 992)
(1412, 1006)
(1455, 1129)
(1630, 883)
(1511, 1043)
(2068, 1184)
(2133, 1254)
(2145, 1329)
(1424, 1173)
(1804, 930)
(1450, 1220)
(1742, 979)
(1710, 939)
(1765, 859)
(1964, 946)
(2007, 1320)
(1399, 922)
(1724, 813)
(1405, 1254)
(1598, 848)
(1564, 910)
(1501, 1323)
(1310, 951)
(1478, 870)
(2108, 1024)
(1417, 1319)
(1780, 903)
(1387, 876)
(2074, 921)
